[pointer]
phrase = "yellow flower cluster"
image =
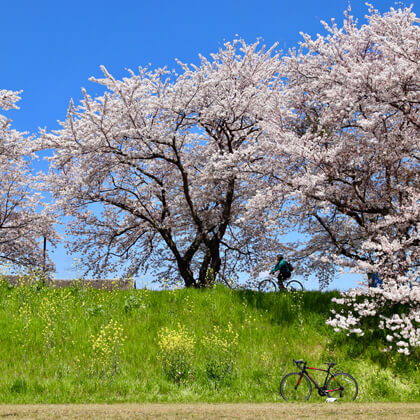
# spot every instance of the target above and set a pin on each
(106, 347)
(24, 311)
(266, 360)
(221, 347)
(177, 352)
(107, 342)
(48, 313)
(25, 315)
(225, 341)
(175, 341)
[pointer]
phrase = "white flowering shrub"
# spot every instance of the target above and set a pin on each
(391, 312)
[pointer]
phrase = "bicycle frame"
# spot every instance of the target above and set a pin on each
(317, 386)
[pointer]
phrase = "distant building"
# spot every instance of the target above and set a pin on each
(102, 284)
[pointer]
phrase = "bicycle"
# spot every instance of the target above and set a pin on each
(269, 285)
(296, 386)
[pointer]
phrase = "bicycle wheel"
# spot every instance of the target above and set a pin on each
(267, 285)
(343, 387)
(294, 387)
(294, 286)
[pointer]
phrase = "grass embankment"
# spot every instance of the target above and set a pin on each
(83, 345)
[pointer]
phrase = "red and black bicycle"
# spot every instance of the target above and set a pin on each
(297, 386)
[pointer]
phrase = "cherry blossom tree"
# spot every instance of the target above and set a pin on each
(152, 172)
(342, 151)
(23, 220)
(344, 141)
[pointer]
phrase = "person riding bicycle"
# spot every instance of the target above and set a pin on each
(284, 268)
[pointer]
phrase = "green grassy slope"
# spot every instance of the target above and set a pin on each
(81, 345)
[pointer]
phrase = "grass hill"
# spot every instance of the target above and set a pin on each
(84, 345)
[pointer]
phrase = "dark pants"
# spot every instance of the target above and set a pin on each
(281, 278)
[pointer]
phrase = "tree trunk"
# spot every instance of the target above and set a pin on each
(186, 273)
(203, 275)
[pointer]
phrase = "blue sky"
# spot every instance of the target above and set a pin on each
(51, 48)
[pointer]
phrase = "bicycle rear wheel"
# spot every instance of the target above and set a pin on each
(295, 387)
(267, 286)
(294, 286)
(343, 387)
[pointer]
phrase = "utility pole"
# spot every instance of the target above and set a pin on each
(44, 259)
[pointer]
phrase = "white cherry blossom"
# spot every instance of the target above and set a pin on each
(23, 220)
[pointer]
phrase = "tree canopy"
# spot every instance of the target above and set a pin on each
(345, 136)
(161, 154)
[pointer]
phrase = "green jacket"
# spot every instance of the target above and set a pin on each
(278, 266)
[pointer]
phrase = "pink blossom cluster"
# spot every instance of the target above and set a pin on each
(23, 221)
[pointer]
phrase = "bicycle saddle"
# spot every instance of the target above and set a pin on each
(331, 364)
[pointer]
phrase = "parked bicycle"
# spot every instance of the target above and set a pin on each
(270, 285)
(297, 386)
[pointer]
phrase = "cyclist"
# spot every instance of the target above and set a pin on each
(284, 268)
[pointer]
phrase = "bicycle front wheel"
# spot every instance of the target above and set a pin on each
(343, 387)
(267, 286)
(294, 286)
(295, 387)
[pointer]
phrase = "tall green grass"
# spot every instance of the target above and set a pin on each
(86, 345)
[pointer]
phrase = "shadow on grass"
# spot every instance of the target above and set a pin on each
(281, 306)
